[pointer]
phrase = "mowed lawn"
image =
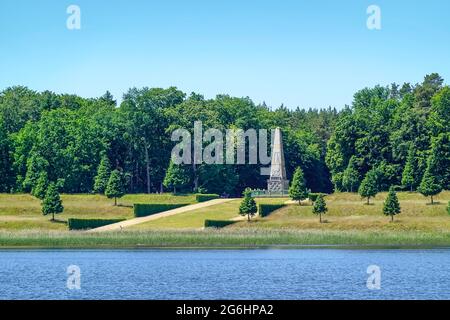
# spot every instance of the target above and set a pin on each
(348, 212)
(196, 219)
(23, 211)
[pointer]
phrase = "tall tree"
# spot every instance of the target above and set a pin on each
(430, 186)
(52, 203)
(103, 174)
(176, 177)
(410, 170)
(350, 179)
(391, 205)
(297, 190)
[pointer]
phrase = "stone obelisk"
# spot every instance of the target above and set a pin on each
(278, 183)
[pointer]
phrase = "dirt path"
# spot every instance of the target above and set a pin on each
(132, 222)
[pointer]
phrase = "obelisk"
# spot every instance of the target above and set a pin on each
(277, 183)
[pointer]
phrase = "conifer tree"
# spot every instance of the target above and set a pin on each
(429, 186)
(248, 205)
(391, 205)
(410, 170)
(103, 174)
(297, 190)
(369, 185)
(52, 203)
(350, 178)
(40, 189)
(115, 187)
(320, 207)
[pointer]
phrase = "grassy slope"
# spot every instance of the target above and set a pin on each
(23, 212)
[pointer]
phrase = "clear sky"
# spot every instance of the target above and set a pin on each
(300, 53)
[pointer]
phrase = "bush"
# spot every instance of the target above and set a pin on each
(206, 197)
(266, 209)
(83, 224)
(147, 209)
(218, 223)
(313, 196)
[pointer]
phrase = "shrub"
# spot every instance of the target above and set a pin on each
(313, 196)
(83, 224)
(218, 223)
(206, 197)
(266, 209)
(147, 209)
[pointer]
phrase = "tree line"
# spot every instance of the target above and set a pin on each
(397, 134)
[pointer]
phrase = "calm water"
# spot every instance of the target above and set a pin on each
(225, 274)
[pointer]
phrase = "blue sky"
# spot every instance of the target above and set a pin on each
(300, 53)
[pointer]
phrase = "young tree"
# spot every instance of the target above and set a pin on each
(248, 205)
(52, 203)
(368, 187)
(115, 187)
(391, 205)
(297, 190)
(350, 179)
(176, 177)
(103, 174)
(40, 189)
(410, 170)
(429, 186)
(320, 207)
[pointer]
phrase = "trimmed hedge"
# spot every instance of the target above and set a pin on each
(218, 223)
(313, 196)
(205, 197)
(266, 209)
(147, 209)
(83, 224)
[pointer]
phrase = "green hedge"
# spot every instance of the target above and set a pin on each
(205, 197)
(265, 209)
(83, 224)
(313, 196)
(218, 223)
(147, 209)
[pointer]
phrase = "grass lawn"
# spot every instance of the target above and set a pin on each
(196, 219)
(23, 212)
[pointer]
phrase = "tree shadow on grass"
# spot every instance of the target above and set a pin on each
(58, 221)
(435, 203)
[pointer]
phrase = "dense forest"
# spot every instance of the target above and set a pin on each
(400, 133)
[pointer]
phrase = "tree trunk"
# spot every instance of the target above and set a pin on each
(392, 218)
(115, 201)
(174, 190)
(161, 188)
(299, 202)
(53, 216)
(147, 168)
(432, 200)
(248, 217)
(411, 188)
(368, 200)
(320, 217)
(194, 171)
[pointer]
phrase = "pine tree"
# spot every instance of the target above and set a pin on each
(115, 187)
(248, 205)
(429, 186)
(350, 179)
(368, 187)
(410, 170)
(40, 189)
(297, 190)
(176, 177)
(391, 205)
(103, 174)
(52, 203)
(320, 207)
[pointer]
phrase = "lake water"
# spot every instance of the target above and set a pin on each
(224, 274)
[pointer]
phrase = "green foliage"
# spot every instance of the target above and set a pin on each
(205, 197)
(248, 205)
(313, 196)
(40, 189)
(218, 224)
(410, 170)
(430, 186)
(266, 209)
(448, 207)
(52, 203)
(297, 190)
(177, 177)
(103, 174)
(368, 187)
(115, 187)
(148, 209)
(84, 224)
(320, 207)
(350, 179)
(391, 205)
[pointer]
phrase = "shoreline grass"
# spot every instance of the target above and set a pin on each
(225, 238)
